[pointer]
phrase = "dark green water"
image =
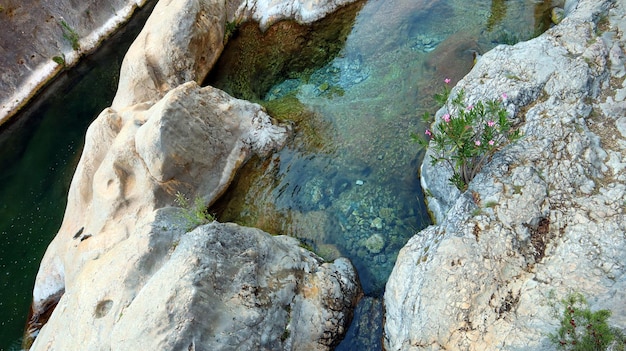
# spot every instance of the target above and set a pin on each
(39, 151)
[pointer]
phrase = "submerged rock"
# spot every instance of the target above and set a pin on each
(487, 277)
(375, 243)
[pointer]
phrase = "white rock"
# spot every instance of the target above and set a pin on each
(219, 287)
(268, 12)
(180, 42)
(128, 276)
(482, 281)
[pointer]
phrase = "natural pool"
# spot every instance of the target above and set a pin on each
(347, 182)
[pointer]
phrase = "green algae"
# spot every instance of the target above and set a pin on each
(253, 61)
(312, 130)
(498, 12)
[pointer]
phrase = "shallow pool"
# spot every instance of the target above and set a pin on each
(347, 183)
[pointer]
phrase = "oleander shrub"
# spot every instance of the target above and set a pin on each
(468, 135)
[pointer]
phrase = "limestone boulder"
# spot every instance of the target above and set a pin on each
(214, 121)
(218, 287)
(180, 42)
(544, 218)
(192, 141)
(268, 12)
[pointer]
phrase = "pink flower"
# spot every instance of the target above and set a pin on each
(470, 107)
(491, 142)
(504, 96)
(491, 123)
(447, 80)
(427, 132)
(477, 142)
(446, 117)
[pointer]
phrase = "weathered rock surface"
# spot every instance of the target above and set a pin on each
(268, 12)
(32, 34)
(192, 141)
(183, 41)
(219, 287)
(129, 276)
(545, 216)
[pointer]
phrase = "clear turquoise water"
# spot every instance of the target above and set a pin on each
(39, 151)
(347, 183)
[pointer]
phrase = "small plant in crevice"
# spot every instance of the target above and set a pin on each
(491, 204)
(193, 214)
(59, 60)
(477, 211)
(467, 137)
(584, 330)
(70, 35)
(231, 29)
(175, 244)
(285, 335)
(603, 24)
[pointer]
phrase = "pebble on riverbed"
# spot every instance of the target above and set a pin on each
(375, 243)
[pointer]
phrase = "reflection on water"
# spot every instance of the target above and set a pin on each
(39, 151)
(347, 184)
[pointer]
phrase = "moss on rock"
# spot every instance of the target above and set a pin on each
(254, 61)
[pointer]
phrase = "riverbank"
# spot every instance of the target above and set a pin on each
(34, 34)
